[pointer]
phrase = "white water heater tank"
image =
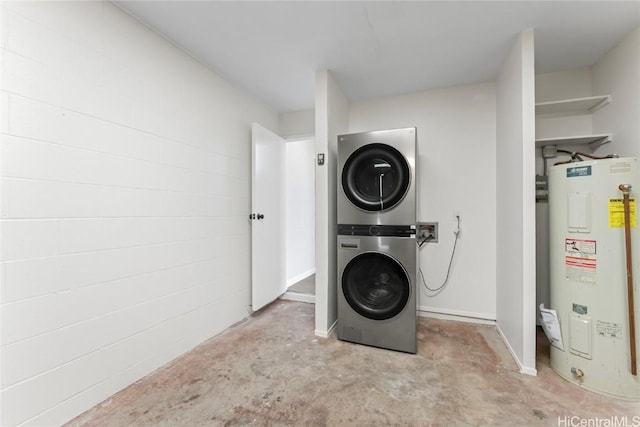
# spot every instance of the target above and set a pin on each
(589, 274)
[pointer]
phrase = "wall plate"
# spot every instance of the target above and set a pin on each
(426, 229)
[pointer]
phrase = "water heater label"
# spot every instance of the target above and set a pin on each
(580, 246)
(609, 329)
(578, 171)
(616, 213)
(580, 309)
(581, 269)
(580, 260)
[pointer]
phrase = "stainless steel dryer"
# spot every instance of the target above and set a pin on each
(377, 286)
(377, 177)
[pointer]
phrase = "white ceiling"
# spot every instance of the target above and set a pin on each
(272, 49)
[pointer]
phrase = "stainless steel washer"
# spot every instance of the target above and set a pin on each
(377, 286)
(376, 182)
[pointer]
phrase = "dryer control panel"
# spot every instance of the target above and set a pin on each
(377, 230)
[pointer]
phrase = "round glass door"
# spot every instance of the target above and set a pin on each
(375, 286)
(375, 177)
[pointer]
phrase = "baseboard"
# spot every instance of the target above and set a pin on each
(329, 332)
(295, 296)
(300, 276)
(522, 368)
(457, 315)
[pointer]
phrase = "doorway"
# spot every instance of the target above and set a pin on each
(300, 219)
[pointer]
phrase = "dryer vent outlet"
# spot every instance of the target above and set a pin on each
(428, 232)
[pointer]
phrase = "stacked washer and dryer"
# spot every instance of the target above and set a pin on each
(377, 251)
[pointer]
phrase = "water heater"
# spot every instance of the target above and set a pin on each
(594, 272)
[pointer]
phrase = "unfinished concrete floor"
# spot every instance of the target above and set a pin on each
(271, 370)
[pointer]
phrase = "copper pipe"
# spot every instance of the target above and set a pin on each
(626, 189)
(577, 154)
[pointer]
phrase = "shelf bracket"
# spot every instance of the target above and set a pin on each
(594, 145)
(600, 104)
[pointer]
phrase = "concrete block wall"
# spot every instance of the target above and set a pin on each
(124, 194)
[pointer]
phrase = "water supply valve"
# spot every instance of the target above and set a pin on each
(577, 372)
(427, 232)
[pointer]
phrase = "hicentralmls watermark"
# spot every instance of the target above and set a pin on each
(615, 421)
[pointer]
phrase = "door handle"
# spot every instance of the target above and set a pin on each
(349, 245)
(252, 216)
(260, 216)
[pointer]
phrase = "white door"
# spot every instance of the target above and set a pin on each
(267, 217)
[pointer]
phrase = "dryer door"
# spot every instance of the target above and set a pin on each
(376, 286)
(376, 177)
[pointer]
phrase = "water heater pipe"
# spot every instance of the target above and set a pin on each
(626, 189)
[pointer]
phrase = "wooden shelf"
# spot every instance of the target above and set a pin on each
(592, 140)
(574, 106)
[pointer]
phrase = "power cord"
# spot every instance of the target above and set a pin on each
(446, 279)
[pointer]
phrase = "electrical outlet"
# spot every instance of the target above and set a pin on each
(427, 232)
(457, 219)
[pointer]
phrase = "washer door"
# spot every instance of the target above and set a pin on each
(375, 285)
(375, 177)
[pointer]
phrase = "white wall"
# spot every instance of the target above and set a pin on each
(566, 84)
(300, 209)
(516, 257)
(456, 171)
(332, 119)
(125, 188)
(617, 74)
(297, 124)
